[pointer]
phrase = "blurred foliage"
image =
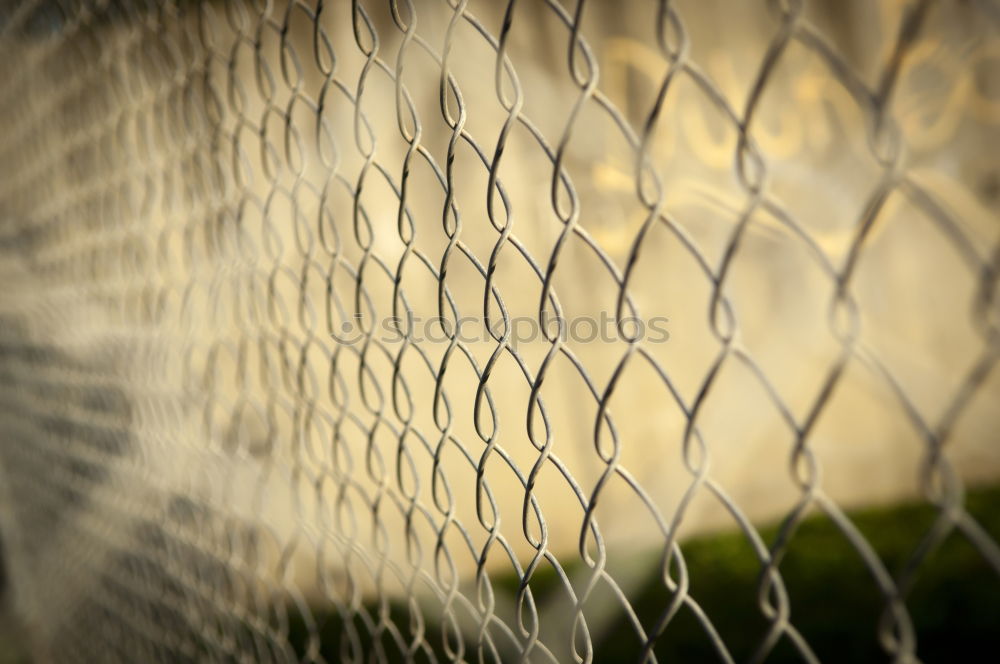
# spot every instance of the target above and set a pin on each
(835, 602)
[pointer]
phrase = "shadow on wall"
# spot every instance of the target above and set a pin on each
(13, 638)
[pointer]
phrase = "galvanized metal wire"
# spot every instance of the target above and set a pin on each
(228, 229)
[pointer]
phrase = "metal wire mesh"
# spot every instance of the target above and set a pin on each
(425, 330)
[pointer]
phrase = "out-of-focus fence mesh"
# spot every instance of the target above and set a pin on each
(432, 330)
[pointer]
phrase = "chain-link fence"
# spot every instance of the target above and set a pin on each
(458, 330)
